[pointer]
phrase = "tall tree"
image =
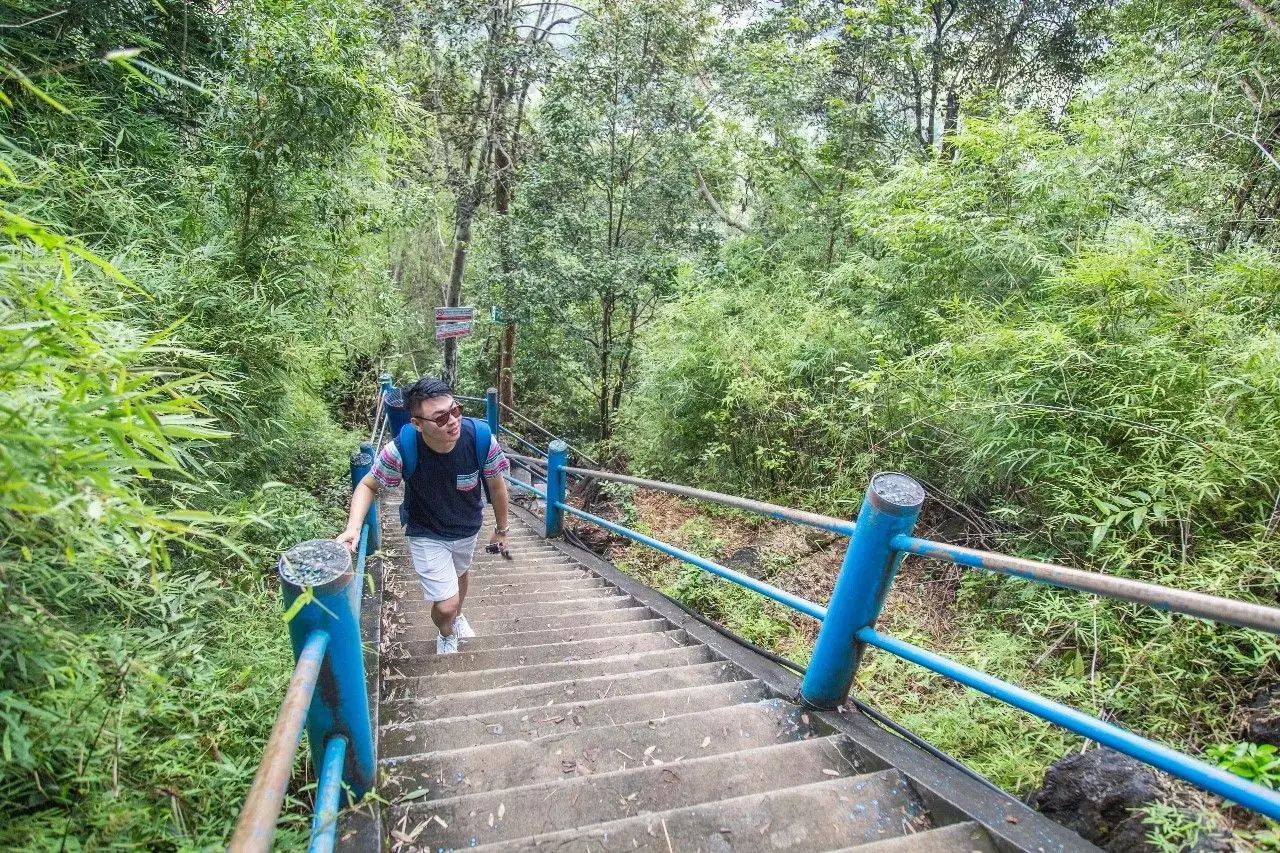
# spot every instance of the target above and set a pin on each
(612, 203)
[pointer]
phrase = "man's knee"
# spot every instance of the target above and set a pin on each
(446, 609)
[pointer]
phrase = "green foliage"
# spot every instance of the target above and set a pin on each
(1255, 762)
(1172, 830)
(168, 421)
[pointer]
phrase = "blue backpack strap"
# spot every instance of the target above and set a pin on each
(484, 437)
(407, 443)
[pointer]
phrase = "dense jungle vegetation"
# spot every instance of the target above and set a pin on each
(1024, 251)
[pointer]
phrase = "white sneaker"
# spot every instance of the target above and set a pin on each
(462, 628)
(447, 645)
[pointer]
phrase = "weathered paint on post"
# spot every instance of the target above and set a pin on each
(890, 507)
(492, 411)
(393, 408)
(257, 823)
(557, 456)
(361, 465)
(341, 704)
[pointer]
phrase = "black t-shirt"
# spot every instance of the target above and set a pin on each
(443, 498)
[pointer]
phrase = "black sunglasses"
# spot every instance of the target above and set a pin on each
(442, 419)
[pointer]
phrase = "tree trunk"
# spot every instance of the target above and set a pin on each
(507, 367)
(950, 123)
(453, 293)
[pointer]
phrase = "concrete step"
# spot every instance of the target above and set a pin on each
(817, 816)
(518, 549)
(415, 648)
(476, 662)
(589, 604)
(581, 798)
(586, 712)
(422, 628)
(667, 738)
(515, 598)
(535, 581)
(447, 683)
(535, 696)
(967, 837)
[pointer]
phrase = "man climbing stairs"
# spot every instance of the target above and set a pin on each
(591, 713)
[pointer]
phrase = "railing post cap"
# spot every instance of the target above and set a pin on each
(363, 456)
(896, 494)
(491, 390)
(323, 564)
(558, 446)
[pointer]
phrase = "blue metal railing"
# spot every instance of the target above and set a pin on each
(322, 593)
(878, 540)
(322, 588)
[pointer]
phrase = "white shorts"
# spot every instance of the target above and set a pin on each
(439, 564)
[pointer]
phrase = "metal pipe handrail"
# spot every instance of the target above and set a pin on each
(1226, 784)
(526, 487)
(467, 399)
(527, 460)
(540, 428)
(257, 823)
(524, 441)
(1199, 604)
(798, 516)
(324, 820)
(768, 590)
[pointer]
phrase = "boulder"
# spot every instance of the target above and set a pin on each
(745, 560)
(1262, 718)
(1094, 794)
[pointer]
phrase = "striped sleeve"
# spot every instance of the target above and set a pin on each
(387, 466)
(496, 462)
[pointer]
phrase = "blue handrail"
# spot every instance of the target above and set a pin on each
(322, 595)
(879, 539)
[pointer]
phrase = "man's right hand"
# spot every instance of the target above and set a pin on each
(350, 538)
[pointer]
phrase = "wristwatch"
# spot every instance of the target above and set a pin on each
(501, 531)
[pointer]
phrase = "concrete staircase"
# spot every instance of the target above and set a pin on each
(591, 714)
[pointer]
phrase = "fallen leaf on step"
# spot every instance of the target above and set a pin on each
(649, 751)
(491, 820)
(706, 741)
(502, 809)
(401, 837)
(827, 771)
(413, 795)
(804, 718)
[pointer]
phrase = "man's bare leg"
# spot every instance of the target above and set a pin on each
(463, 581)
(444, 612)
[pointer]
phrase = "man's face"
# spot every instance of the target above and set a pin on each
(440, 417)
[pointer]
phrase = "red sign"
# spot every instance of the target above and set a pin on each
(454, 314)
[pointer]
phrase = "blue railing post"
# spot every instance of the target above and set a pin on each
(361, 464)
(492, 410)
(557, 458)
(340, 704)
(385, 382)
(890, 507)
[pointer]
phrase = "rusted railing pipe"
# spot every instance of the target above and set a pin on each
(1241, 613)
(257, 823)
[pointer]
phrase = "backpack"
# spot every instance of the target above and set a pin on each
(407, 443)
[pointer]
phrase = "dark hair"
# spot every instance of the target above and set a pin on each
(426, 388)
